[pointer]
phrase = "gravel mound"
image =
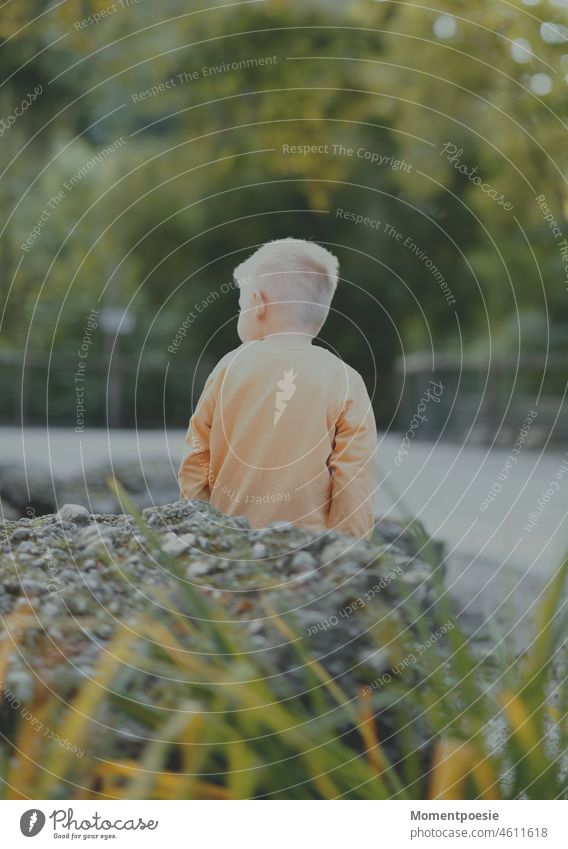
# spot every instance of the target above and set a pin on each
(75, 577)
(82, 574)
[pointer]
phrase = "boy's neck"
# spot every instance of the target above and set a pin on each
(288, 338)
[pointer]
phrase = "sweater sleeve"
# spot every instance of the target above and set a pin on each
(352, 464)
(193, 475)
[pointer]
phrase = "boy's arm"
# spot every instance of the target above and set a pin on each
(352, 463)
(193, 473)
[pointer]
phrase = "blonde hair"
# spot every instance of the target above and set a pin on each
(295, 271)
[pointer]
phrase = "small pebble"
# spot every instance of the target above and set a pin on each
(303, 561)
(198, 568)
(20, 534)
(73, 513)
(174, 545)
(27, 547)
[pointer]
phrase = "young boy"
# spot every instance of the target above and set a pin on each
(284, 430)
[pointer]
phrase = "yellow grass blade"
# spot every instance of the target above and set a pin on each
(167, 785)
(155, 755)
(451, 767)
(76, 723)
(15, 625)
(368, 730)
(524, 728)
(314, 665)
(28, 747)
(486, 780)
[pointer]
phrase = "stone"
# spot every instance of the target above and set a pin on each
(189, 539)
(20, 533)
(51, 609)
(32, 587)
(77, 605)
(241, 522)
(198, 568)
(280, 526)
(21, 684)
(25, 558)
(333, 552)
(74, 513)
(95, 539)
(27, 547)
(103, 630)
(259, 551)
(175, 545)
(303, 561)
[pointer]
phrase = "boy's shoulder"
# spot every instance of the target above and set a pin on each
(349, 374)
(342, 371)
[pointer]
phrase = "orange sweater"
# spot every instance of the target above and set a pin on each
(284, 432)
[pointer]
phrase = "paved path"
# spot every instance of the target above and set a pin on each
(495, 566)
(497, 570)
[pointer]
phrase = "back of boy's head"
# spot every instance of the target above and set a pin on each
(297, 272)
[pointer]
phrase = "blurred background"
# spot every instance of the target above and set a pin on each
(146, 149)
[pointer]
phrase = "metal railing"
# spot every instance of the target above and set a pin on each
(488, 401)
(36, 391)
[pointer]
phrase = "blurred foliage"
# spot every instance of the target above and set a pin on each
(450, 725)
(201, 177)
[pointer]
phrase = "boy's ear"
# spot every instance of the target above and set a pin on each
(260, 301)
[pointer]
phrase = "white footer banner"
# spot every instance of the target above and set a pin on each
(286, 824)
